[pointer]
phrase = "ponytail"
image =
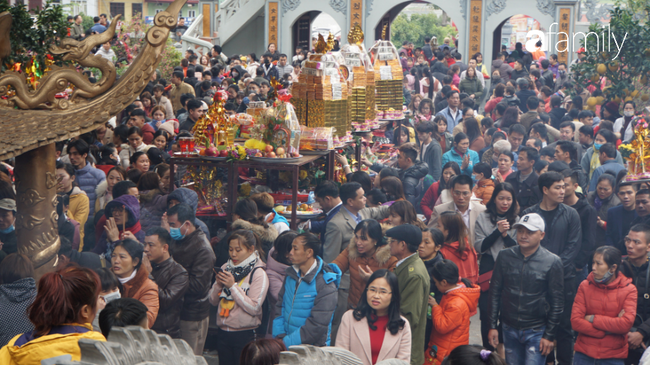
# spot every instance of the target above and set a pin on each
(447, 270)
(473, 355)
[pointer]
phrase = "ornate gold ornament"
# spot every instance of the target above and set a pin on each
(31, 121)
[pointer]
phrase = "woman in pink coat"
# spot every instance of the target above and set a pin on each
(375, 330)
(604, 310)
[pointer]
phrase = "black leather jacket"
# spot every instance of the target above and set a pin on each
(172, 280)
(563, 236)
(527, 292)
(528, 193)
(195, 254)
(639, 277)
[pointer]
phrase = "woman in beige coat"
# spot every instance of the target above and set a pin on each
(375, 330)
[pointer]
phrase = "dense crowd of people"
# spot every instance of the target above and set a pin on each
(507, 198)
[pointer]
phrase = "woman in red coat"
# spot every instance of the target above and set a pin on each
(604, 311)
(456, 247)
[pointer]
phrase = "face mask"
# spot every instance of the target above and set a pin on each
(628, 114)
(605, 278)
(301, 57)
(118, 159)
(8, 230)
(562, 73)
(112, 296)
(176, 233)
(597, 146)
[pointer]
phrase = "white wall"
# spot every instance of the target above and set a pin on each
(250, 38)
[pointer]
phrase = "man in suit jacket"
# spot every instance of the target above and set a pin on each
(327, 196)
(413, 280)
(339, 232)
(430, 150)
(461, 190)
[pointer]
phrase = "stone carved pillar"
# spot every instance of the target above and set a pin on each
(36, 219)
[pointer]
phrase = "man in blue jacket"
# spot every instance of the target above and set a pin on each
(452, 113)
(88, 177)
(308, 298)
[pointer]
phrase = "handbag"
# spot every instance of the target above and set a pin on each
(484, 281)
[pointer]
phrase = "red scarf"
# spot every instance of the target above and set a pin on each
(133, 229)
(458, 152)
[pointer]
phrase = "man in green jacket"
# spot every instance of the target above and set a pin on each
(77, 30)
(413, 280)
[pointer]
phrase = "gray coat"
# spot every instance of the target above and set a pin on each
(433, 158)
(483, 228)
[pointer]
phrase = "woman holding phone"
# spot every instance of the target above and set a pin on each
(239, 292)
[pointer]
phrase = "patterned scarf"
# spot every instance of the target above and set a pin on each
(239, 271)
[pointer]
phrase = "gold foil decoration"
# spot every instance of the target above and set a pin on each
(356, 35)
(321, 45)
(330, 42)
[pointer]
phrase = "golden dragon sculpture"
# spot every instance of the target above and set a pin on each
(31, 121)
(25, 125)
(57, 80)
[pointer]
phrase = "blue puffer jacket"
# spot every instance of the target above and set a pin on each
(88, 178)
(306, 305)
(452, 155)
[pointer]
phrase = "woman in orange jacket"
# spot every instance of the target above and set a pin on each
(126, 261)
(451, 316)
(604, 311)
(456, 247)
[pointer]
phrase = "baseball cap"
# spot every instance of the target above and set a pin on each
(408, 233)
(532, 221)
(8, 204)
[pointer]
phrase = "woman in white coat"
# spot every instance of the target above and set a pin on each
(375, 330)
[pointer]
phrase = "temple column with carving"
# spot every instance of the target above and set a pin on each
(36, 200)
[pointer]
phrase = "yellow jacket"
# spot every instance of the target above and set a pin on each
(78, 210)
(47, 347)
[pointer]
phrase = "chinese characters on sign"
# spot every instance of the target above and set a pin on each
(273, 23)
(476, 7)
(356, 13)
(563, 34)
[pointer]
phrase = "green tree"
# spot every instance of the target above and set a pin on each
(419, 28)
(32, 36)
(628, 71)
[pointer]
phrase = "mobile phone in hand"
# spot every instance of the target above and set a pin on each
(217, 270)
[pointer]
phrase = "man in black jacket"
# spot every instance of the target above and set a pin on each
(563, 238)
(567, 152)
(635, 266)
(525, 179)
(526, 295)
(557, 112)
(192, 250)
(411, 171)
(172, 280)
(588, 217)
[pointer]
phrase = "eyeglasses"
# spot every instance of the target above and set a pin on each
(462, 193)
(382, 293)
